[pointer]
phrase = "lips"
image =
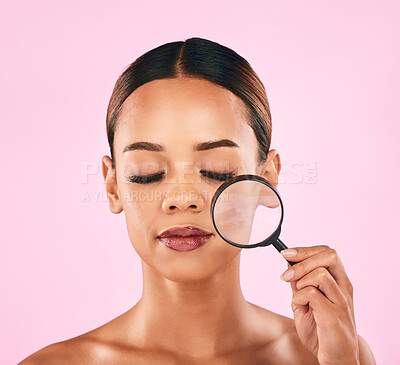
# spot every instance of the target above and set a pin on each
(184, 238)
(184, 232)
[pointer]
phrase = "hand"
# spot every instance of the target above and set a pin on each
(322, 305)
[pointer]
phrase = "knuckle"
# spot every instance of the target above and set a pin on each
(333, 256)
(322, 274)
(312, 291)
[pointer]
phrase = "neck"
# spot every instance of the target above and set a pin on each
(201, 318)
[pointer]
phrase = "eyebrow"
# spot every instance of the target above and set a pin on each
(203, 146)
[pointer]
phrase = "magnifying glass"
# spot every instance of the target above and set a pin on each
(247, 212)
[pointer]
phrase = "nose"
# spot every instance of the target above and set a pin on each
(183, 200)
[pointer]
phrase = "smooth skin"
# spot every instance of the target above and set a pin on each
(192, 309)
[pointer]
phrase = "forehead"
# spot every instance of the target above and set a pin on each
(181, 112)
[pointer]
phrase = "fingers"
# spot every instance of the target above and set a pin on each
(309, 258)
(323, 281)
(322, 307)
(303, 252)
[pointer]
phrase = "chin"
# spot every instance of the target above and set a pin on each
(193, 266)
(187, 276)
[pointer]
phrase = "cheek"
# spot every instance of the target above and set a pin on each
(139, 217)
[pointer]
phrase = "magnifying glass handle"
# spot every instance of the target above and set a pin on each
(279, 245)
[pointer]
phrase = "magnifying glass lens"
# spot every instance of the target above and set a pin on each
(247, 212)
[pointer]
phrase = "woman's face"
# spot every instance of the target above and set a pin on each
(176, 115)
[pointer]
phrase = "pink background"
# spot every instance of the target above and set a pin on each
(332, 77)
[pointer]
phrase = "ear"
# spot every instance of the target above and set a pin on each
(109, 175)
(271, 168)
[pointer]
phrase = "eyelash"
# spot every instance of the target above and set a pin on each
(159, 176)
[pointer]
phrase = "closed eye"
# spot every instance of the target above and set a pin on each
(218, 177)
(146, 179)
(158, 176)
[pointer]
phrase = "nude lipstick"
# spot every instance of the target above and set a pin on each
(184, 238)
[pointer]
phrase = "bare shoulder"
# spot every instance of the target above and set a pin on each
(86, 348)
(90, 349)
(286, 348)
(74, 350)
(103, 345)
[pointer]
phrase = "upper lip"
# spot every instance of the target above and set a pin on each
(183, 232)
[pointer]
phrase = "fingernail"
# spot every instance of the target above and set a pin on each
(288, 274)
(289, 252)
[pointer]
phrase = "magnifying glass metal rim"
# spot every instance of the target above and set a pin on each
(274, 236)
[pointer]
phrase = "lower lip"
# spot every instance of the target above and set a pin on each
(184, 243)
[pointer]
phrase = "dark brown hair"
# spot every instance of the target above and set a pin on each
(201, 58)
